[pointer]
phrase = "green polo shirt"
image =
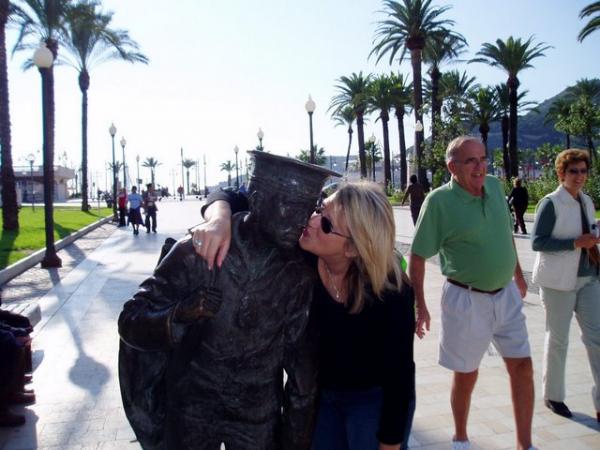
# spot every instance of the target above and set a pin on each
(473, 235)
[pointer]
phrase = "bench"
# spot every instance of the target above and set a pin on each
(30, 310)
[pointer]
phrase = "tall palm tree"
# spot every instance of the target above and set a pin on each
(442, 46)
(593, 9)
(513, 56)
(585, 87)
(44, 21)
(346, 117)
(381, 99)
(188, 164)
(454, 89)
(407, 27)
(228, 167)
(559, 111)
(89, 41)
(151, 164)
(10, 209)
(354, 92)
(402, 92)
(319, 152)
(482, 110)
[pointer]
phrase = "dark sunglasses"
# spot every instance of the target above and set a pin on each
(577, 171)
(326, 225)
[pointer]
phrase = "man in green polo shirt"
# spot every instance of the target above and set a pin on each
(468, 223)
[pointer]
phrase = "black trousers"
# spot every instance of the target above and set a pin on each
(122, 216)
(520, 219)
(150, 215)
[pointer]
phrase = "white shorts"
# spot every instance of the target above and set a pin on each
(472, 320)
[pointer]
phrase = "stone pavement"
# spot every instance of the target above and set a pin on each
(76, 344)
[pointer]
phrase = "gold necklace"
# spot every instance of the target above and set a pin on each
(337, 292)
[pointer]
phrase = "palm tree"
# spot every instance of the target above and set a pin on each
(408, 25)
(117, 166)
(585, 88)
(402, 92)
(381, 99)
(559, 111)
(454, 89)
(228, 167)
(593, 24)
(188, 164)
(151, 164)
(512, 56)
(44, 21)
(442, 46)
(90, 41)
(346, 117)
(354, 92)
(10, 209)
(482, 110)
(319, 152)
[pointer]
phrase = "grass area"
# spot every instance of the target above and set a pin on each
(15, 245)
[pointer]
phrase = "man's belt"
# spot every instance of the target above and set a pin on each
(471, 288)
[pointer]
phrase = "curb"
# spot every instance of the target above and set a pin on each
(24, 264)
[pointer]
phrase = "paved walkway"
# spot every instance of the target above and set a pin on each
(76, 343)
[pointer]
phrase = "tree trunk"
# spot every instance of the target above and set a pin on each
(349, 146)
(505, 156)
(84, 84)
(436, 105)
(513, 85)
(10, 210)
(484, 130)
(361, 144)
(387, 170)
(403, 165)
(568, 136)
(415, 59)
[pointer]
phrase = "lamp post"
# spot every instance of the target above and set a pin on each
(123, 144)
(310, 109)
(421, 174)
(113, 130)
(236, 149)
(137, 181)
(260, 135)
(43, 58)
(31, 160)
(182, 177)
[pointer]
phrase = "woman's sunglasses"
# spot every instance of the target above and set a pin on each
(326, 225)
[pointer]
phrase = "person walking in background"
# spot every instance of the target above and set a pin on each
(468, 223)
(519, 200)
(135, 216)
(416, 194)
(150, 208)
(566, 268)
(122, 204)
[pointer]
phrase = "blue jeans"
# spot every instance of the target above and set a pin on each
(350, 420)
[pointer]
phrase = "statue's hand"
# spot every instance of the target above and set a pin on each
(205, 303)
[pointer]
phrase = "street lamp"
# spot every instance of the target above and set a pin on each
(137, 181)
(418, 126)
(260, 135)
(236, 149)
(43, 58)
(310, 109)
(113, 130)
(31, 160)
(123, 144)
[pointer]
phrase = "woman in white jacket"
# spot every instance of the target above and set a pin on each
(567, 268)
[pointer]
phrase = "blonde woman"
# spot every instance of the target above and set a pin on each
(566, 268)
(363, 310)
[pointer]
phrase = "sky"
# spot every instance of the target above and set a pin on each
(220, 70)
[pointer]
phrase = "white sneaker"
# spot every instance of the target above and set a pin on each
(461, 445)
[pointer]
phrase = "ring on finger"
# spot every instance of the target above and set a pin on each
(197, 242)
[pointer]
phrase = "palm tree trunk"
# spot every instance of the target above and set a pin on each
(505, 156)
(387, 170)
(436, 105)
(415, 59)
(84, 84)
(568, 140)
(403, 165)
(188, 181)
(513, 85)
(152, 177)
(10, 210)
(361, 144)
(349, 146)
(484, 130)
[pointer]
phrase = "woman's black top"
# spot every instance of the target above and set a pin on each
(519, 197)
(373, 348)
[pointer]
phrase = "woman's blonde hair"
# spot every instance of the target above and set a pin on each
(370, 221)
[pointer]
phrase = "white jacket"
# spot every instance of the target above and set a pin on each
(558, 270)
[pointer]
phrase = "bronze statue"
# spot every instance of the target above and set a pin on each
(203, 352)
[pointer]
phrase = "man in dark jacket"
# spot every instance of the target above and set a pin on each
(222, 338)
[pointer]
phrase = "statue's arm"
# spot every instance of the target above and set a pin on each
(300, 364)
(175, 296)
